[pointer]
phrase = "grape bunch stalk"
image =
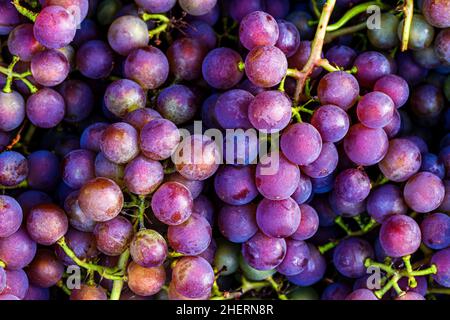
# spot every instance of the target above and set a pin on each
(224, 149)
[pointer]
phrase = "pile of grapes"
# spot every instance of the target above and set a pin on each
(224, 149)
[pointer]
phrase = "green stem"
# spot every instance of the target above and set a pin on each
(60, 284)
(24, 11)
(380, 293)
(315, 8)
(2, 264)
(155, 16)
(118, 284)
(380, 181)
(241, 66)
(324, 63)
(411, 280)
(296, 115)
(141, 212)
(23, 184)
(344, 31)
(424, 272)
(439, 291)
(328, 246)
(340, 222)
(155, 32)
(408, 10)
(277, 287)
(174, 255)
(370, 263)
(9, 78)
(281, 86)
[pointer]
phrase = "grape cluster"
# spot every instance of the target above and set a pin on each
(322, 161)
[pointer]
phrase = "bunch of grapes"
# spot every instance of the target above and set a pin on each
(224, 149)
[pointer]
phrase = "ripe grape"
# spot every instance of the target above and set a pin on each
(107, 169)
(197, 7)
(309, 223)
(88, 292)
(185, 58)
(395, 87)
(45, 108)
(10, 17)
(352, 185)
(91, 136)
(220, 68)
(47, 223)
(10, 216)
(432, 163)
(78, 168)
(304, 189)
(194, 186)
(81, 243)
(258, 28)
(16, 284)
(142, 176)
(263, 252)
(265, 66)
(371, 66)
(45, 270)
(120, 143)
(313, 271)
(17, 250)
(202, 32)
(12, 110)
(191, 237)
(140, 117)
(442, 46)
(375, 109)
(238, 223)
(94, 59)
(113, 236)
(301, 143)
(13, 168)
(296, 259)
(350, 255)
(235, 185)
(178, 209)
(79, 100)
(232, 109)
(156, 6)
(123, 96)
(148, 248)
(441, 260)
(22, 43)
(193, 277)
(278, 218)
(361, 294)
(270, 111)
(331, 122)
(410, 70)
(346, 208)
(252, 273)
(338, 88)
(30, 198)
(385, 201)
(177, 103)
(400, 236)
(437, 13)
(77, 218)
(436, 231)
(325, 164)
(127, 33)
(424, 192)
(49, 67)
(145, 281)
(427, 101)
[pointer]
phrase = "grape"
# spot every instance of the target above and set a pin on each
(159, 139)
(338, 88)
(385, 201)
(352, 185)
(173, 294)
(410, 296)
(325, 164)
(309, 223)
(21, 42)
(296, 259)
(276, 177)
(303, 191)
(361, 294)
(238, 223)
(13, 168)
(252, 273)
(49, 67)
(313, 271)
(36, 293)
(8, 297)
(349, 257)
(426, 58)
(78, 8)
(45, 270)
(264, 253)
(185, 58)
(107, 169)
(17, 250)
(289, 37)
(78, 168)
(55, 27)
(278, 218)
(100, 199)
(357, 149)
(177, 103)
(239, 9)
(375, 109)
(277, 8)
(12, 110)
(341, 55)
(120, 143)
(10, 17)
(346, 208)
(202, 32)
(79, 100)
(300, 19)
(421, 33)
(178, 209)
(235, 185)
(47, 223)
(400, 236)
(436, 13)
(148, 248)
(331, 122)
(145, 281)
(197, 157)
(124, 96)
(77, 218)
(442, 262)
(156, 6)
(386, 36)
(81, 243)
(265, 66)
(444, 156)
(147, 66)
(127, 33)
(194, 186)
(45, 108)
(88, 292)
(10, 216)
(16, 283)
(220, 68)
(197, 7)
(431, 163)
(301, 143)
(395, 87)
(269, 111)
(421, 288)
(43, 170)
(191, 237)
(94, 59)
(30, 198)
(436, 231)
(227, 258)
(91, 136)
(371, 66)
(140, 117)
(336, 291)
(204, 207)
(231, 109)
(409, 70)
(241, 147)
(442, 46)
(193, 277)
(113, 236)
(143, 176)
(445, 206)
(324, 211)
(427, 101)
(299, 59)
(258, 28)
(424, 192)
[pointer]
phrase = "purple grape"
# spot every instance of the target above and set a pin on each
(13, 168)
(441, 260)
(276, 177)
(101, 199)
(278, 218)
(145, 281)
(78, 8)
(143, 176)
(410, 296)
(264, 253)
(120, 143)
(232, 109)
(87, 30)
(148, 248)
(47, 223)
(239, 9)
(270, 111)
(346, 208)
(258, 28)
(127, 33)
(357, 149)
(238, 223)
(436, 13)
(112, 237)
(421, 288)
(313, 271)
(45, 108)
(331, 122)
(309, 223)
(43, 170)
(197, 157)
(301, 143)
(35, 293)
(77, 218)
(289, 37)
(17, 250)
(371, 66)
(300, 19)
(140, 117)
(296, 259)
(45, 270)
(436, 231)
(8, 296)
(156, 6)
(303, 191)
(10, 17)
(325, 164)
(79, 100)
(55, 27)
(81, 243)
(191, 237)
(323, 185)
(385, 201)
(394, 126)
(177, 103)
(220, 68)
(400, 236)
(124, 96)
(444, 156)
(361, 294)
(338, 88)
(445, 206)
(241, 147)
(375, 109)
(88, 292)
(395, 87)
(197, 7)
(432, 163)
(78, 168)
(427, 101)
(211, 17)
(159, 139)
(185, 58)
(10, 216)
(424, 192)
(265, 66)
(12, 110)
(202, 32)
(22, 43)
(247, 85)
(193, 277)
(204, 207)
(16, 284)
(91, 136)
(352, 185)
(194, 186)
(341, 55)
(30, 198)
(107, 169)
(236, 185)
(172, 203)
(409, 70)
(349, 257)
(49, 67)
(95, 59)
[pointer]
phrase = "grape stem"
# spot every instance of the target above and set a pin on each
(411, 280)
(277, 287)
(408, 10)
(63, 287)
(391, 283)
(23, 184)
(246, 287)
(8, 71)
(2, 264)
(439, 291)
(9, 78)
(344, 31)
(164, 23)
(24, 11)
(118, 284)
